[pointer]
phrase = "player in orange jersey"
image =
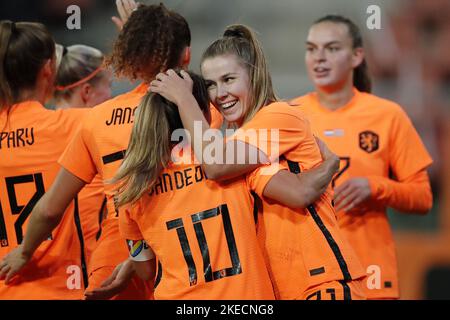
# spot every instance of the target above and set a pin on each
(142, 49)
(383, 160)
(307, 254)
(82, 82)
(206, 248)
(165, 222)
(32, 139)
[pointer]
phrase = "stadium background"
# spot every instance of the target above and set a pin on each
(409, 59)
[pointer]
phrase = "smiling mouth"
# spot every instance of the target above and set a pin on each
(321, 71)
(228, 105)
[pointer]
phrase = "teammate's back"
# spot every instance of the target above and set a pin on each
(31, 140)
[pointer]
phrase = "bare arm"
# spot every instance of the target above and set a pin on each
(300, 190)
(124, 8)
(179, 91)
(146, 270)
(49, 211)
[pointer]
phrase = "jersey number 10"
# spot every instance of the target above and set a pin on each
(197, 218)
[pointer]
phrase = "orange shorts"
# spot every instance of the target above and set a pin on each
(336, 290)
(136, 290)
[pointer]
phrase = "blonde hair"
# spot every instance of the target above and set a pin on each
(240, 41)
(76, 63)
(150, 145)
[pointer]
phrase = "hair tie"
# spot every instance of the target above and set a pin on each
(85, 79)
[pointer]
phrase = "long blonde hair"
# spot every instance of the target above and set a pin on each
(150, 145)
(240, 41)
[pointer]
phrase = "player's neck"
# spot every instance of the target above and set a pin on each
(335, 99)
(31, 95)
(72, 102)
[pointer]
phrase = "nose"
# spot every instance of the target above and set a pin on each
(319, 55)
(221, 92)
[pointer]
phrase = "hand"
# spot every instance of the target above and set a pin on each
(125, 8)
(327, 154)
(351, 194)
(12, 263)
(173, 87)
(115, 283)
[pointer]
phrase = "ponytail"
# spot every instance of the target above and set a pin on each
(150, 146)
(149, 149)
(6, 29)
(24, 49)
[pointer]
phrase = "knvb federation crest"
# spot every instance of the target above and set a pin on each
(369, 141)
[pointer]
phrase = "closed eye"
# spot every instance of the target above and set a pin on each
(228, 79)
(209, 84)
(333, 49)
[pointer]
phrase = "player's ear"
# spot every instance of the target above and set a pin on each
(85, 92)
(185, 58)
(357, 57)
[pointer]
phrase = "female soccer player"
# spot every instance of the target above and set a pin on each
(206, 247)
(308, 257)
(31, 140)
(83, 82)
(383, 160)
(142, 49)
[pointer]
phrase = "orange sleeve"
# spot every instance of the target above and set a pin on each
(259, 178)
(274, 133)
(216, 118)
(410, 195)
(408, 154)
(77, 157)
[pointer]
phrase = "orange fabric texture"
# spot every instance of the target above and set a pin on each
(206, 245)
(304, 247)
(98, 148)
(90, 204)
(336, 290)
(32, 139)
(374, 138)
(136, 289)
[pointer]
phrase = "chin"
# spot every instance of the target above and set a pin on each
(231, 119)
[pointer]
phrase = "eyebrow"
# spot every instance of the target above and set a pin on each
(221, 77)
(229, 74)
(326, 44)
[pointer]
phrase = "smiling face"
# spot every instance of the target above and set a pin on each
(228, 84)
(330, 57)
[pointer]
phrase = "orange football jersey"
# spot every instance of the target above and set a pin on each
(99, 147)
(203, 235)
(31, 140)
(304, 247)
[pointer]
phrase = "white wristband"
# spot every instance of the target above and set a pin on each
(139, 250)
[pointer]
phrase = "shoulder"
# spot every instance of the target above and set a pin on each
(384, 106)
(281, 109)
(303, 100)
